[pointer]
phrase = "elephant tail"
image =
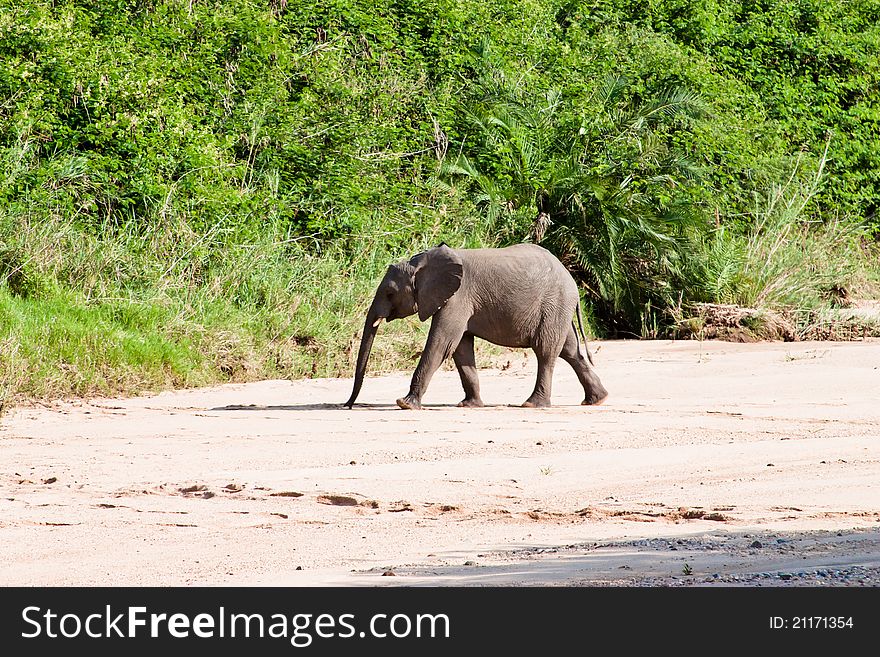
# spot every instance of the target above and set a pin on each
(580, 326)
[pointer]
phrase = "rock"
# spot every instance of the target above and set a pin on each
(197, 488)
(337, 500)
(756, 544)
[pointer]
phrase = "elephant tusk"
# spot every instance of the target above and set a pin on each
(377, 322)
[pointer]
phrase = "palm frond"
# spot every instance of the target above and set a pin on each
(611, 90)
(673, 103)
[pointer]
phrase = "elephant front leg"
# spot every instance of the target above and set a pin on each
(438, 348)
(467, 370)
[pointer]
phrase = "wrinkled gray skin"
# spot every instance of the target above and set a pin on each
(519, 296)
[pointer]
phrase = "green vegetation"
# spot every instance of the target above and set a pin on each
(194, 191)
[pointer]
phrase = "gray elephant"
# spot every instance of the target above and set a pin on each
(518, 296)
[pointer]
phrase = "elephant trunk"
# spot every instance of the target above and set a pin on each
(371, 325)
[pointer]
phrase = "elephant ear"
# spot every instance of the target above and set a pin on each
(437, 277)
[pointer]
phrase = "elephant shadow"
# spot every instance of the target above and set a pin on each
(315, 407)
(289, 407)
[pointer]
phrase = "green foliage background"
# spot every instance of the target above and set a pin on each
(193, 191)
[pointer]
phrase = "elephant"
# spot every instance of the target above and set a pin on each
(517, 296)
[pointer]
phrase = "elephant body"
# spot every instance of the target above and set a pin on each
(539, 301)
(519, 296)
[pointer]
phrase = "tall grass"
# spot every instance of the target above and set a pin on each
(787, 258)
(189, 290)
(158, 304)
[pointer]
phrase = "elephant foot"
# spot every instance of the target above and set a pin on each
(595, 398)
(536, 403)
(409, 403)
(470, 403)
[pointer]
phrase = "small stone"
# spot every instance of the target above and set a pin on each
(197, 488)
(756, 544)
(389, 573)
(470, 563)
(299, 568)
(337, 500)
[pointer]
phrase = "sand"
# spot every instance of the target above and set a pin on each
(709, 461)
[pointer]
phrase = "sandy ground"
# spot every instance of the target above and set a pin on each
(710, 463)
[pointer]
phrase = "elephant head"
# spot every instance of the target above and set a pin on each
(422, 284)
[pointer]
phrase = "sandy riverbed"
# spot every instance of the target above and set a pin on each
(709, 462)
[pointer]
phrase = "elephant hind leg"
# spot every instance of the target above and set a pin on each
(540, 397)
(546, 351)
(466, 364)
(594, 392)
